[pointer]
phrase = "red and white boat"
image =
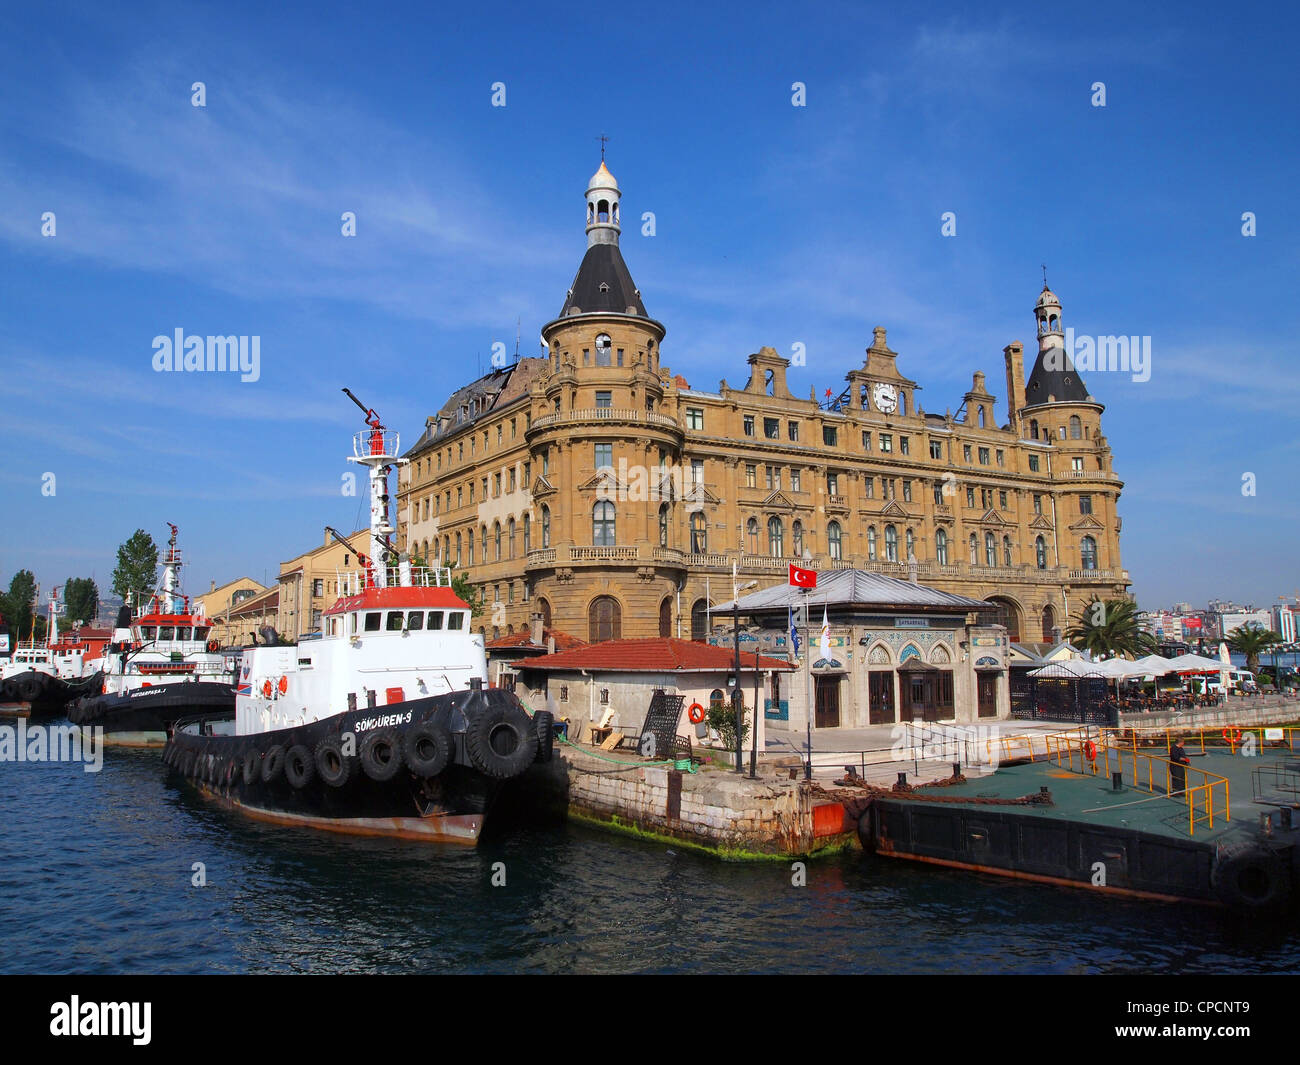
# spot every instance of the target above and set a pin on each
(47, 675)
(383, 724)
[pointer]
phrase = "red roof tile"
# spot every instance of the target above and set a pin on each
(563, 641)
(658, 655)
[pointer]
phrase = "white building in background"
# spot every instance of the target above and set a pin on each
(1230, 621)
(1284, 623)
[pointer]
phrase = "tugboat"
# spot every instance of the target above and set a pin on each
(46, 676)
(161, 667)
(382, 725)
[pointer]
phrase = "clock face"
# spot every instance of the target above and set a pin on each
(885, 397)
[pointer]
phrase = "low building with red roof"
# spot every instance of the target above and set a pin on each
(505, 653)
(612, 682)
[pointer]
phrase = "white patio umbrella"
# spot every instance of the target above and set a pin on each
(1225, 662)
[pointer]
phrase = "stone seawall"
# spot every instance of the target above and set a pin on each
(726, 814)
(1273, 710)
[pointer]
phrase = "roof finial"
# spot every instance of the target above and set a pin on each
(1044, 265)
(602, 138)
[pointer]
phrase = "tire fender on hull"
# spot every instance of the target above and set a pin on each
(381, 755)
(428, 749)
(1249, 876)
(502, 742)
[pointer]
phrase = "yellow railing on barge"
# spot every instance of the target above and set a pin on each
(1206, 794)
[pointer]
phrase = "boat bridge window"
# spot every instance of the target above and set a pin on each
(455, 619)
(183, 632)
(435, 619)
(200, 632)
(395, 619)
(373, 621)
(415, 620)
(165, 632)
(148, 632)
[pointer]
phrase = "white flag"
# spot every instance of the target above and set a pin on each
(824, 643)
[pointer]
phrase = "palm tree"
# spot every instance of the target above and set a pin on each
(1110, 627)
(1252, 640)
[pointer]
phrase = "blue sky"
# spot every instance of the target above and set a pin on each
(775, 225)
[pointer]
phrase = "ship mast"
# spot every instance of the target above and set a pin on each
(377, 448)
(171, 575)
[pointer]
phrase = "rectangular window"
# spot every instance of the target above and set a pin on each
(514, 427)
(415, 620)
(1085, 504)
(1033, 463)
(1038, 504)
(1001, 457)
(830, 436)
(970, 497)
(905, 444)
(1076, 464)
(694, 417)
(772, 428)
(768, 472)
(374, 619)
(513, 482)
(890, 486)
(604, 455)
(869, 487)
(938, 493)
(749, 425)
(496, 485)
(500, 430)
(792, 428)
(751, 476)
(604, 399)
(886, 443)
(471, 491)
(936, 449)
(984, 456)
(697, 471)
(485, 495)
(435, 619)
(620, 357)
(318, 586)
(866, 440)
(546, 463)
(1002, 500)
(907, 491)
(528, 474)
(965, 452)
(833, 484)
(986, 498)
(794, 481)
(455, 619)
(460, 497)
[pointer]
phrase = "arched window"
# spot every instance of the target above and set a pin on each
(663, 524)
(1033, 428)
(699, 534)
(1049, 624)
(891, 543)
(941, 547)
(604, 619)
(1076, 427)
(446, 550)
(528, 533)
(871, 542)
(602, 524)
(1006, 550)
(1008, 615)
(833, 541)
(1040, 552)
(484, 542)
(716, 699)
(700, 620)
(911, 544)
(751, 533)
(666, 617)
(602, 350)
(511, 526)
(546, 526)
(458, 549)
(496, 541)
(775, 537)
(469, 548)
(902, 402)
(990, 550)
(796, 538)
(544, 608)
(974, 550)
(1088, 552)
(981, 416)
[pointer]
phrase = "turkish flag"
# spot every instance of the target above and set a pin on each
(802, 578)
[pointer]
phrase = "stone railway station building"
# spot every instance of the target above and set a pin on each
(598, 488)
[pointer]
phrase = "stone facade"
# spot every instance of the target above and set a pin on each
(595, 485)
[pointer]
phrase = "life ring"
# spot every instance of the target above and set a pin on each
(1090, 751)
(213, 646)
(696, 713)
(283, 685)
(1232, 735)
(266, 689)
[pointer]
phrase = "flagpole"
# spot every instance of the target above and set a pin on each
(807, 652)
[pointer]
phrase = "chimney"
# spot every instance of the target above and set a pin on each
(535, 624)
(1015, 356)
(550, 646)
(214, 586)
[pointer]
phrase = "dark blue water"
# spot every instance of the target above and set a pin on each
(95, 876)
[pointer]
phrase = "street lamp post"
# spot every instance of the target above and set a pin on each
(738, 693)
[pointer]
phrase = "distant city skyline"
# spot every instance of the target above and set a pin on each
(777, 218)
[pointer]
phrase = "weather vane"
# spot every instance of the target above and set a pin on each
(1044, 265)
(602, 138)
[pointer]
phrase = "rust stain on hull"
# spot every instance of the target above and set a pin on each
(883, 849)
(461, 829)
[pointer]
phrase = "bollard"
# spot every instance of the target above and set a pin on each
(902, 780)
(1117, 780)
(370, 698)
(475, 684)
(956, 769)
(352, 702)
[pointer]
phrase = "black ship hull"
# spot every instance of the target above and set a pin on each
(144, 717)
(45, 694)
(426, 769)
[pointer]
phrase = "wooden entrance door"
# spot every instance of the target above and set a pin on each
(880, 698)
(987, 684)
(828, 701)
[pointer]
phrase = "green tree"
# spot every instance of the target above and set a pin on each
(1252, 640)
(137, 567)
(17, 605)
(1110, 627)
(466, 591)
(80, 600)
